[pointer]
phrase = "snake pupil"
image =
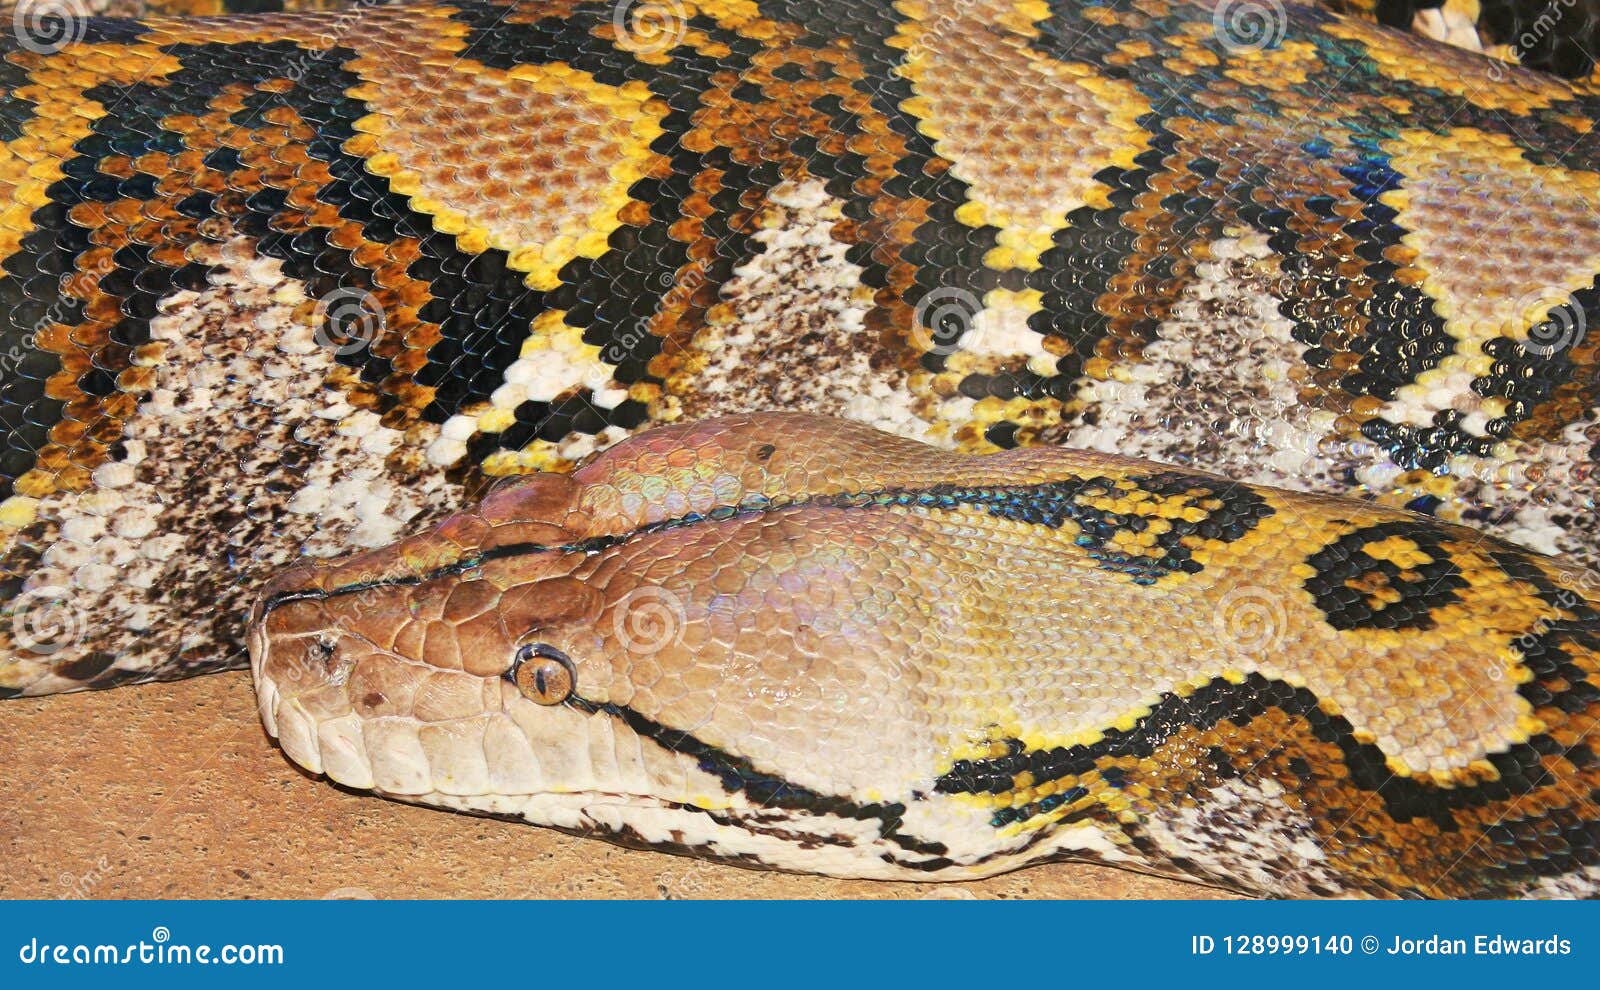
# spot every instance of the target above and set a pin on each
(543, 674)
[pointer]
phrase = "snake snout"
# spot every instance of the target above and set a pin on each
(302, 656)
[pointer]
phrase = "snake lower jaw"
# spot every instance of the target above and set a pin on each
(588, 774)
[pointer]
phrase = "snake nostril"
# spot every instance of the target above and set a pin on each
(321, 655)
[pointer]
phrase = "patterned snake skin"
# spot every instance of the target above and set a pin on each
(291, 284)
(796, 642)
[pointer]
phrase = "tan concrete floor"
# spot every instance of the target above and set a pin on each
(173, 790)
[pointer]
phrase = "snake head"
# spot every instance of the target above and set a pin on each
(806, 642)
(673, 644)
(371, 668)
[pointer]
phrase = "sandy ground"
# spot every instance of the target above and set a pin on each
(173, 790)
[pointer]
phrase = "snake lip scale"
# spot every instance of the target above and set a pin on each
(905, 440)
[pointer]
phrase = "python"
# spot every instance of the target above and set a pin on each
(796, 642)
(294, 284)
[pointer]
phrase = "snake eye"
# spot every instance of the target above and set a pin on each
(544, 674)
